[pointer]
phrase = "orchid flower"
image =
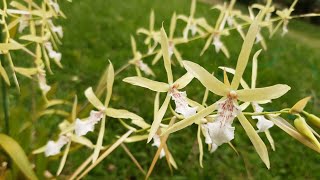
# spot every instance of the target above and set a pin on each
(171, 88)
(269, 10)
(137, 60)
(66, 136)
(151, 34)
(227, 107)
(263, 123)
(217, 32)
(285, 16)
(172, 42)
(231, 16)
(104, 110)
(192, 23)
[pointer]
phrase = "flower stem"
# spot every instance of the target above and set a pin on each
(5, 100)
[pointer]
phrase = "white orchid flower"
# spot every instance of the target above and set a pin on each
(82, 127)
(53, 148)
(137, 60)
(171, 87)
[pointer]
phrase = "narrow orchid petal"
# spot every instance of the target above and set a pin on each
(92, 98)
(207, 79)
(178, 56)
(190, 120)
(124, 114)
(232, 71)
(158, 118)
(151, 25)
(255, 139)
(245, 53)
(98, 146)
(183, 81)
(254, 69)
(133, 45)
(110, 80)
(172, 25)
(206, 46)
(300, 105)
(270, 139)
(147, 83)
(156, 58)
(63, 159)
(200, 146)
(262, 94)
(74, 109)
(165, 53)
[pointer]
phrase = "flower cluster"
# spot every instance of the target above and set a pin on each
(215, 121)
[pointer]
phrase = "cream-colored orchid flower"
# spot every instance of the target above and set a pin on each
(107, 111)
(192, 23)
(151, 34)
(137, 60)
(285, 16)
(263, 123)
(269, 10)
(171, 88)
(172, 43)
(227, 107)
(217, 32)
(231, 16)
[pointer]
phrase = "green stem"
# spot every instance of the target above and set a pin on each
(5, 100)
(5, 105)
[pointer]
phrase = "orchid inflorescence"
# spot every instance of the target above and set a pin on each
(215, 121)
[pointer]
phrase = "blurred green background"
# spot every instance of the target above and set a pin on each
(96, 31)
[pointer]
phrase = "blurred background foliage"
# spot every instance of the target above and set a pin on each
(96, 31)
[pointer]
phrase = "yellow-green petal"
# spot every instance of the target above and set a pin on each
(255, 139)
(147, 83)
(262, 94)
(207, 79)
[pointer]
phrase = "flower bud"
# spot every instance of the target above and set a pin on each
(304, 129)
(314, 119)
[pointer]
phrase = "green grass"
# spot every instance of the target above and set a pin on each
(99, 30)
